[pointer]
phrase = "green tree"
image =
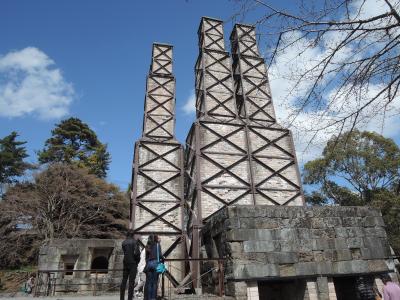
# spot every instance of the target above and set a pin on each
(12, 155)
(73, 142)
(63, 201)
(359, 168)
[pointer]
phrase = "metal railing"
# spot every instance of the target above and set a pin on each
(219, 269)
(49, 282)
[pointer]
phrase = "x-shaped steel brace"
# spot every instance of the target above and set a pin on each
(224, 170)
(223, 138)
(247, 48)
(161, 85)
(276, 173)
(218, 61)
(219, 81)
(158, 185)
(213, 40)
(159, 156)
(163, 51)
(158, 216)
(277, 203)
(260, 109)
(246, 191)
(159, 125)
(253, 66)
(162, 66)
(256, 86)
(212, 27)
(271, 142)
(160, 104)
(219, 104)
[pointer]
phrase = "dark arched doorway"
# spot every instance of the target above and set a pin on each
(99, 265)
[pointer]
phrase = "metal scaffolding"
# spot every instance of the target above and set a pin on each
(236, 153)
(275, 172)
(157, 202)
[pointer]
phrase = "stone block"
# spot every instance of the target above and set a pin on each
(343, 254)
(341, 232)
(247, 223)
(355, 232)
(340, 243)
(377, 265)
(318, 255)
(352, 222)
(250, 235)
(288, 245)
(350, 267)
(306, 268)
(373, 253)
(322, 284)
(245, 271)
(326, 233)
(232, 223)
(356, 253)
(304, 233)
(372, 221)
(318, 223)
(266, 223)
(375, 232)
(282, 257)
(322, 244)
(324, 267)
(306, 256)
(287, 270)
(304, 245)
(355, 242)
(261, 246)
(329, 255)
(333, 222)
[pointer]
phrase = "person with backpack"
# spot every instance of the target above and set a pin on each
(152, 268)
(131, 251)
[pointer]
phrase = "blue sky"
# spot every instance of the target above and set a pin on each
(103, 49)
(91, 58)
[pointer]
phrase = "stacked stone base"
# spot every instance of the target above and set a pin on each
(300, 250)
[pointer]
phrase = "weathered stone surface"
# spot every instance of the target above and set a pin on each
(298, 242)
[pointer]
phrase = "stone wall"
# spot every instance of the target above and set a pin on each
(271, 242)
(80, 253)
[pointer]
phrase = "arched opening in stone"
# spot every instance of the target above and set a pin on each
(99, 265)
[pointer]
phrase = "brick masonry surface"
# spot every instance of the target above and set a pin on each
(262, 242)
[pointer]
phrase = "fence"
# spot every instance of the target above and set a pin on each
(49, 282)
(97, 281)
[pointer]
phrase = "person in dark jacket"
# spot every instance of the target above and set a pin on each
(131, 260)
(153, 252)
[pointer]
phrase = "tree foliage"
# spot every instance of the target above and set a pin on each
(63, 201)
(73, 142)
(342, 57)
(12, 155)
(364, 161)
(359, 168)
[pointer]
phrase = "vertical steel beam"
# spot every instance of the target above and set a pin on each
(157, 196)
(257, 111)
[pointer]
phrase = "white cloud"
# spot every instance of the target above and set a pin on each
(190, 104)
(293, 60)
(30, 84)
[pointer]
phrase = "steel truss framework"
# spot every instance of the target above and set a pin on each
(236, 153)
(275, 173)
(157, 202)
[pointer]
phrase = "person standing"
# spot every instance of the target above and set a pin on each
(153, 255)
(131, 251)
(391, 291)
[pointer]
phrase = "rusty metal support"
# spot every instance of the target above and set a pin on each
(157, 204)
